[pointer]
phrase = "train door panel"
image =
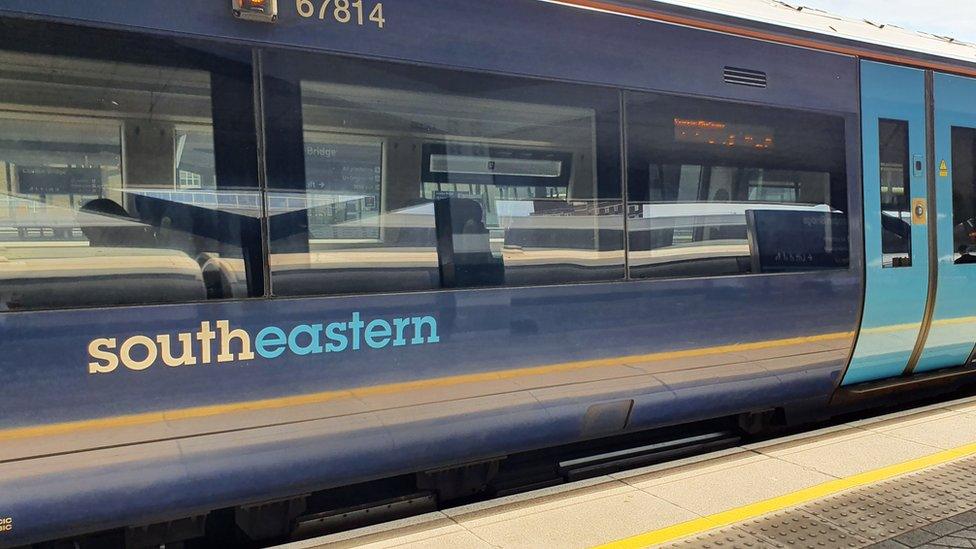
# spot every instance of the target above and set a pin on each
(895, 231)
(952, 334)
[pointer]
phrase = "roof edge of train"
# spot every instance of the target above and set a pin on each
(788, 24)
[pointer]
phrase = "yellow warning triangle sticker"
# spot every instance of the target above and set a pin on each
(944, 169)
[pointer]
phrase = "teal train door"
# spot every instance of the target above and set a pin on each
(952, 330)
(893, 112)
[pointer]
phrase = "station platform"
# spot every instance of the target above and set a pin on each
(906, 479)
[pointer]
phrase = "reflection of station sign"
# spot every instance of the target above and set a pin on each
(47, 180)
(342, 167)
(352, 175)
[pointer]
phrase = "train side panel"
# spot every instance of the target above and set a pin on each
(100, 427)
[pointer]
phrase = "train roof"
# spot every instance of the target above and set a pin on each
(793, 23)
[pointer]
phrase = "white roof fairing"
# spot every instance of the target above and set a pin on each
(793, 15)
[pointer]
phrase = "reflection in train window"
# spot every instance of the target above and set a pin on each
(415, 179)
(896, 193)
(964, 194)
(722, 189)
(109, 187)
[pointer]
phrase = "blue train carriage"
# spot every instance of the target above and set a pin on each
(254, 252)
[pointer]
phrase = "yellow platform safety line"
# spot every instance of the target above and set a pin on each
(198, 412)
(794, 499)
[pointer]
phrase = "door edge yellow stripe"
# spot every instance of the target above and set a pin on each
(393, 388)
(794, 499)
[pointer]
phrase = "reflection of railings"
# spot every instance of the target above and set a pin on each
(689, 215)
(248, 202)
(527, 214)
(242, 202)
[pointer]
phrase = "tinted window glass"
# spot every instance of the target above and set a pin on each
(393, 178)
(964, 194)
(896, 193)
(112, 188)
(723, 189)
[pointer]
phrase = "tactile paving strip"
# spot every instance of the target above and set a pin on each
(727, 538)
(957, 531)
(862, 516)
(798, 529)
(910, 511)
(918, 496)
(958, 478)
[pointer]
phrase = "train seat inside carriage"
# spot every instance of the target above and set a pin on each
(120, 263)
(97, 277)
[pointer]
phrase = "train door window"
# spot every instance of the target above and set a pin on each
(119, 182)
(896, 210)
(719, 189)
(964, 194)
(390, 178)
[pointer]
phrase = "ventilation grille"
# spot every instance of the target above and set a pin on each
(745, 77)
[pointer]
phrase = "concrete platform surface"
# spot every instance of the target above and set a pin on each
(902, 480)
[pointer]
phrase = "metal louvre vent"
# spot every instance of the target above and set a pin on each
(745, 77)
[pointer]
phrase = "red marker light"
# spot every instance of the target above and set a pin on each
(256, 10)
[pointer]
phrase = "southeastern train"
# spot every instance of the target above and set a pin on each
(264, 264)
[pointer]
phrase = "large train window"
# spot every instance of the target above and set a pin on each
(111, 183)
(721, 189)
(964, 194)
(389, 178)
(896, 193)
